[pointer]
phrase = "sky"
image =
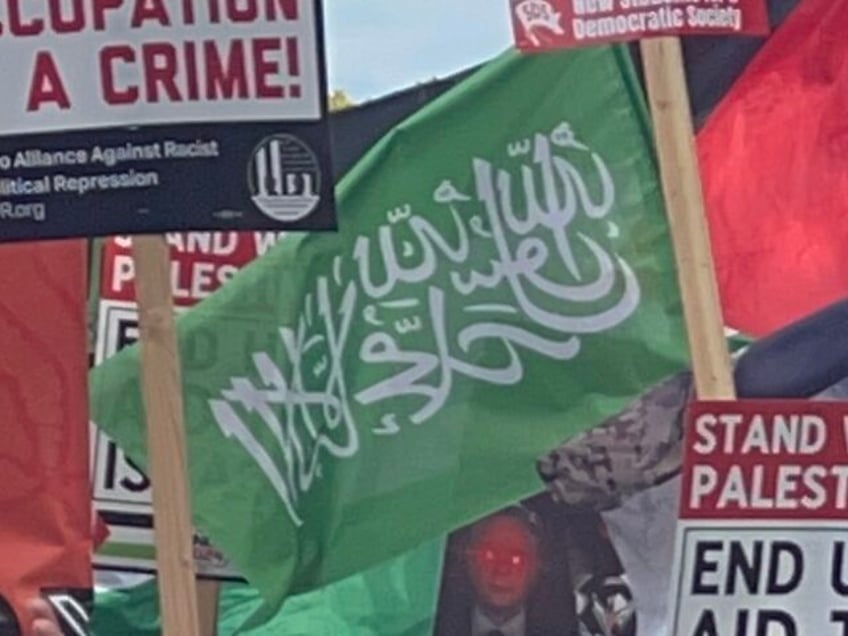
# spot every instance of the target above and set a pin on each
(376, 47)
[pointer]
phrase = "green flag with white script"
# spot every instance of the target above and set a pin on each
(502, 278)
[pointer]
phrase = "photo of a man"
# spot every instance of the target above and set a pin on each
(534, 568)
(503, 562)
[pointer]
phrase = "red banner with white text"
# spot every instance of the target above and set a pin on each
(774, 460)
(45, 504)
(541, 25)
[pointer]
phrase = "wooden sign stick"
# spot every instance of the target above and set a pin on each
(208, 599)
(166, 443)
(684, 198)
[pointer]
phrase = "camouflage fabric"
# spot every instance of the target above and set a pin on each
(634, 450)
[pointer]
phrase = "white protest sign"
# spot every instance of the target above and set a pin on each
(761, 545)
(113, 62)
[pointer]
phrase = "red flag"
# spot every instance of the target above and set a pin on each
(45, 502)
(775, 165)
(99, 530)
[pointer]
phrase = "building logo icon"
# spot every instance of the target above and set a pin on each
(284, 178)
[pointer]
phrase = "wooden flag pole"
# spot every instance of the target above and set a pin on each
(167, 459)
(684, 198)
(208, 595)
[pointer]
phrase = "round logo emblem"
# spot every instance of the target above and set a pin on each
(284, 178)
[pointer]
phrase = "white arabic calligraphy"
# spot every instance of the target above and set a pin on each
(443, 298)
(301, 453)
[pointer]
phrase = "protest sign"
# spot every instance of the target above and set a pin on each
(126, 116)
(200, 263)
(761, 546)
(541, 25)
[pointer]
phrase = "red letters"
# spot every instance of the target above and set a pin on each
(61, 24)
(225, 81)
(188, 12)
(46, 84)
(74, 16)
(263, 68)
(100, 9)
(108, 57)
(242, 11)
(288, 9)
(160, 66)
(192, 84)
(210, 70)
(17, 26)
(150, 10)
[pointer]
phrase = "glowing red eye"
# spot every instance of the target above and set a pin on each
(516, 559)
(489, 555)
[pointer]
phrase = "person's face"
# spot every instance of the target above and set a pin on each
(504, 561)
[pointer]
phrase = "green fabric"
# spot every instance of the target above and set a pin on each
(502, 278)
(737, 342)
(130, 612)
(395, 599)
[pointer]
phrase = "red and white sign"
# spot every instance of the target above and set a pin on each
(201, 262)
(103, 63)
(762, 547)
(541, 25)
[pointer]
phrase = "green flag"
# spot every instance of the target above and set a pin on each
(502, 278)
(394, 598)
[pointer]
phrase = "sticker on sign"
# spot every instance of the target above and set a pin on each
(761, 545)
(541, 25)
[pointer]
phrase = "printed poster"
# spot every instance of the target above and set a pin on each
(138, 117)
(536, 567)
(761, 545)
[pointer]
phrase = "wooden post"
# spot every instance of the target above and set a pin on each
(167, 459)
(208, 594)
(669, 100)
